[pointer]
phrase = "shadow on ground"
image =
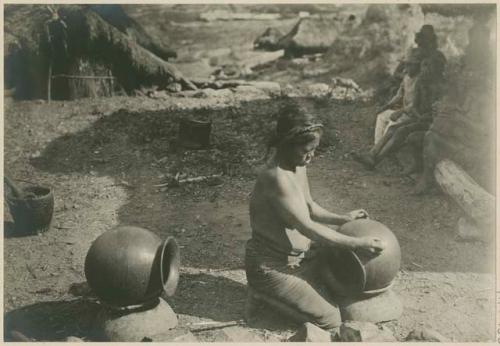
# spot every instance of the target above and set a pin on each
(54, 321)
(221, 299)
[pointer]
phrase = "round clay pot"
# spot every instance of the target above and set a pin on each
(129, 266)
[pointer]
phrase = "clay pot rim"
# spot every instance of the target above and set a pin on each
(170, 282)
(362, 267)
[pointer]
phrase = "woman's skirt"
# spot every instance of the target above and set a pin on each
(294, 282)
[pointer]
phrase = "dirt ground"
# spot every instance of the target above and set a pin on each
(103, 158)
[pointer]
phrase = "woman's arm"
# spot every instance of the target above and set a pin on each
(292, 211)
(320, 214)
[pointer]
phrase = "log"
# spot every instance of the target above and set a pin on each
(476, 202)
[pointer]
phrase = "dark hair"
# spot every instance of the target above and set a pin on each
(293, 116)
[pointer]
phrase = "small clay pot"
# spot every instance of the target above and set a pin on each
(32, 213)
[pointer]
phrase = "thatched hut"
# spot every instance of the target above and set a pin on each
(117, 16)
(71, 51)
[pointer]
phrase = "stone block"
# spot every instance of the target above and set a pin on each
(308, 332)
(354, 331)
(137, 326)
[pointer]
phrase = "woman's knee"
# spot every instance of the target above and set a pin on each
(330, 318)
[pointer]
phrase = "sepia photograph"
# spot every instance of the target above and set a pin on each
(264, 173)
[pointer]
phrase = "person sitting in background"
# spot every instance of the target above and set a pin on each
(426, 41)
(289, 233)
(387, 114)
(417, 117)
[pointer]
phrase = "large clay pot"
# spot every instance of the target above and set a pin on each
(356, 272)
(128, 266)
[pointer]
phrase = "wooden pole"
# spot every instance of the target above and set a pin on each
(49, 82)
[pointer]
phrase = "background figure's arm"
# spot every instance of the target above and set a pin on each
(398, 98)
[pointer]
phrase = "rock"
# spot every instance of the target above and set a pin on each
(310, 35)
(380, 308)
(314, 72)
(318, 90)
(74, 339)
(291, 91)
(136, 326)
(268, 40)
(209, 93)
(224, 15)
(174, 87)
(188, 337)
(308, 332)
(240, 334)
(254, 59)
(271, 88)
(426, 334)
(354, 331)
(250, 92)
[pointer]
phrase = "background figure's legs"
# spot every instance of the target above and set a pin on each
(426, 179)
(399, 136)
(383, 120)
(415, 141)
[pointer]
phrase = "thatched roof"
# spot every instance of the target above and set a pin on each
(87, 36)
(117, 16)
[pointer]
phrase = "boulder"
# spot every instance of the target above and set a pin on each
(354, 331)
(268, 40)
(308, 332)
(310, 35)
(137, 326)
(380, 308)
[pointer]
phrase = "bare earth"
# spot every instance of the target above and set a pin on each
(103, 157)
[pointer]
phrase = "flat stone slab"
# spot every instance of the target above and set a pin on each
(380, 308)
(138, 326)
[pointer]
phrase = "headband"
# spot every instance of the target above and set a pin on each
(297, 131)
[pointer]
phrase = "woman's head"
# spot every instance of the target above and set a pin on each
(297, 135)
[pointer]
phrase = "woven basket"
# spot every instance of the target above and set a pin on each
(32, 214)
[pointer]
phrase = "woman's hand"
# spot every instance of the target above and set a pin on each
(358, 214)
(371, 244)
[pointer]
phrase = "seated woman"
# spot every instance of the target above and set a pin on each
(281, 262)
